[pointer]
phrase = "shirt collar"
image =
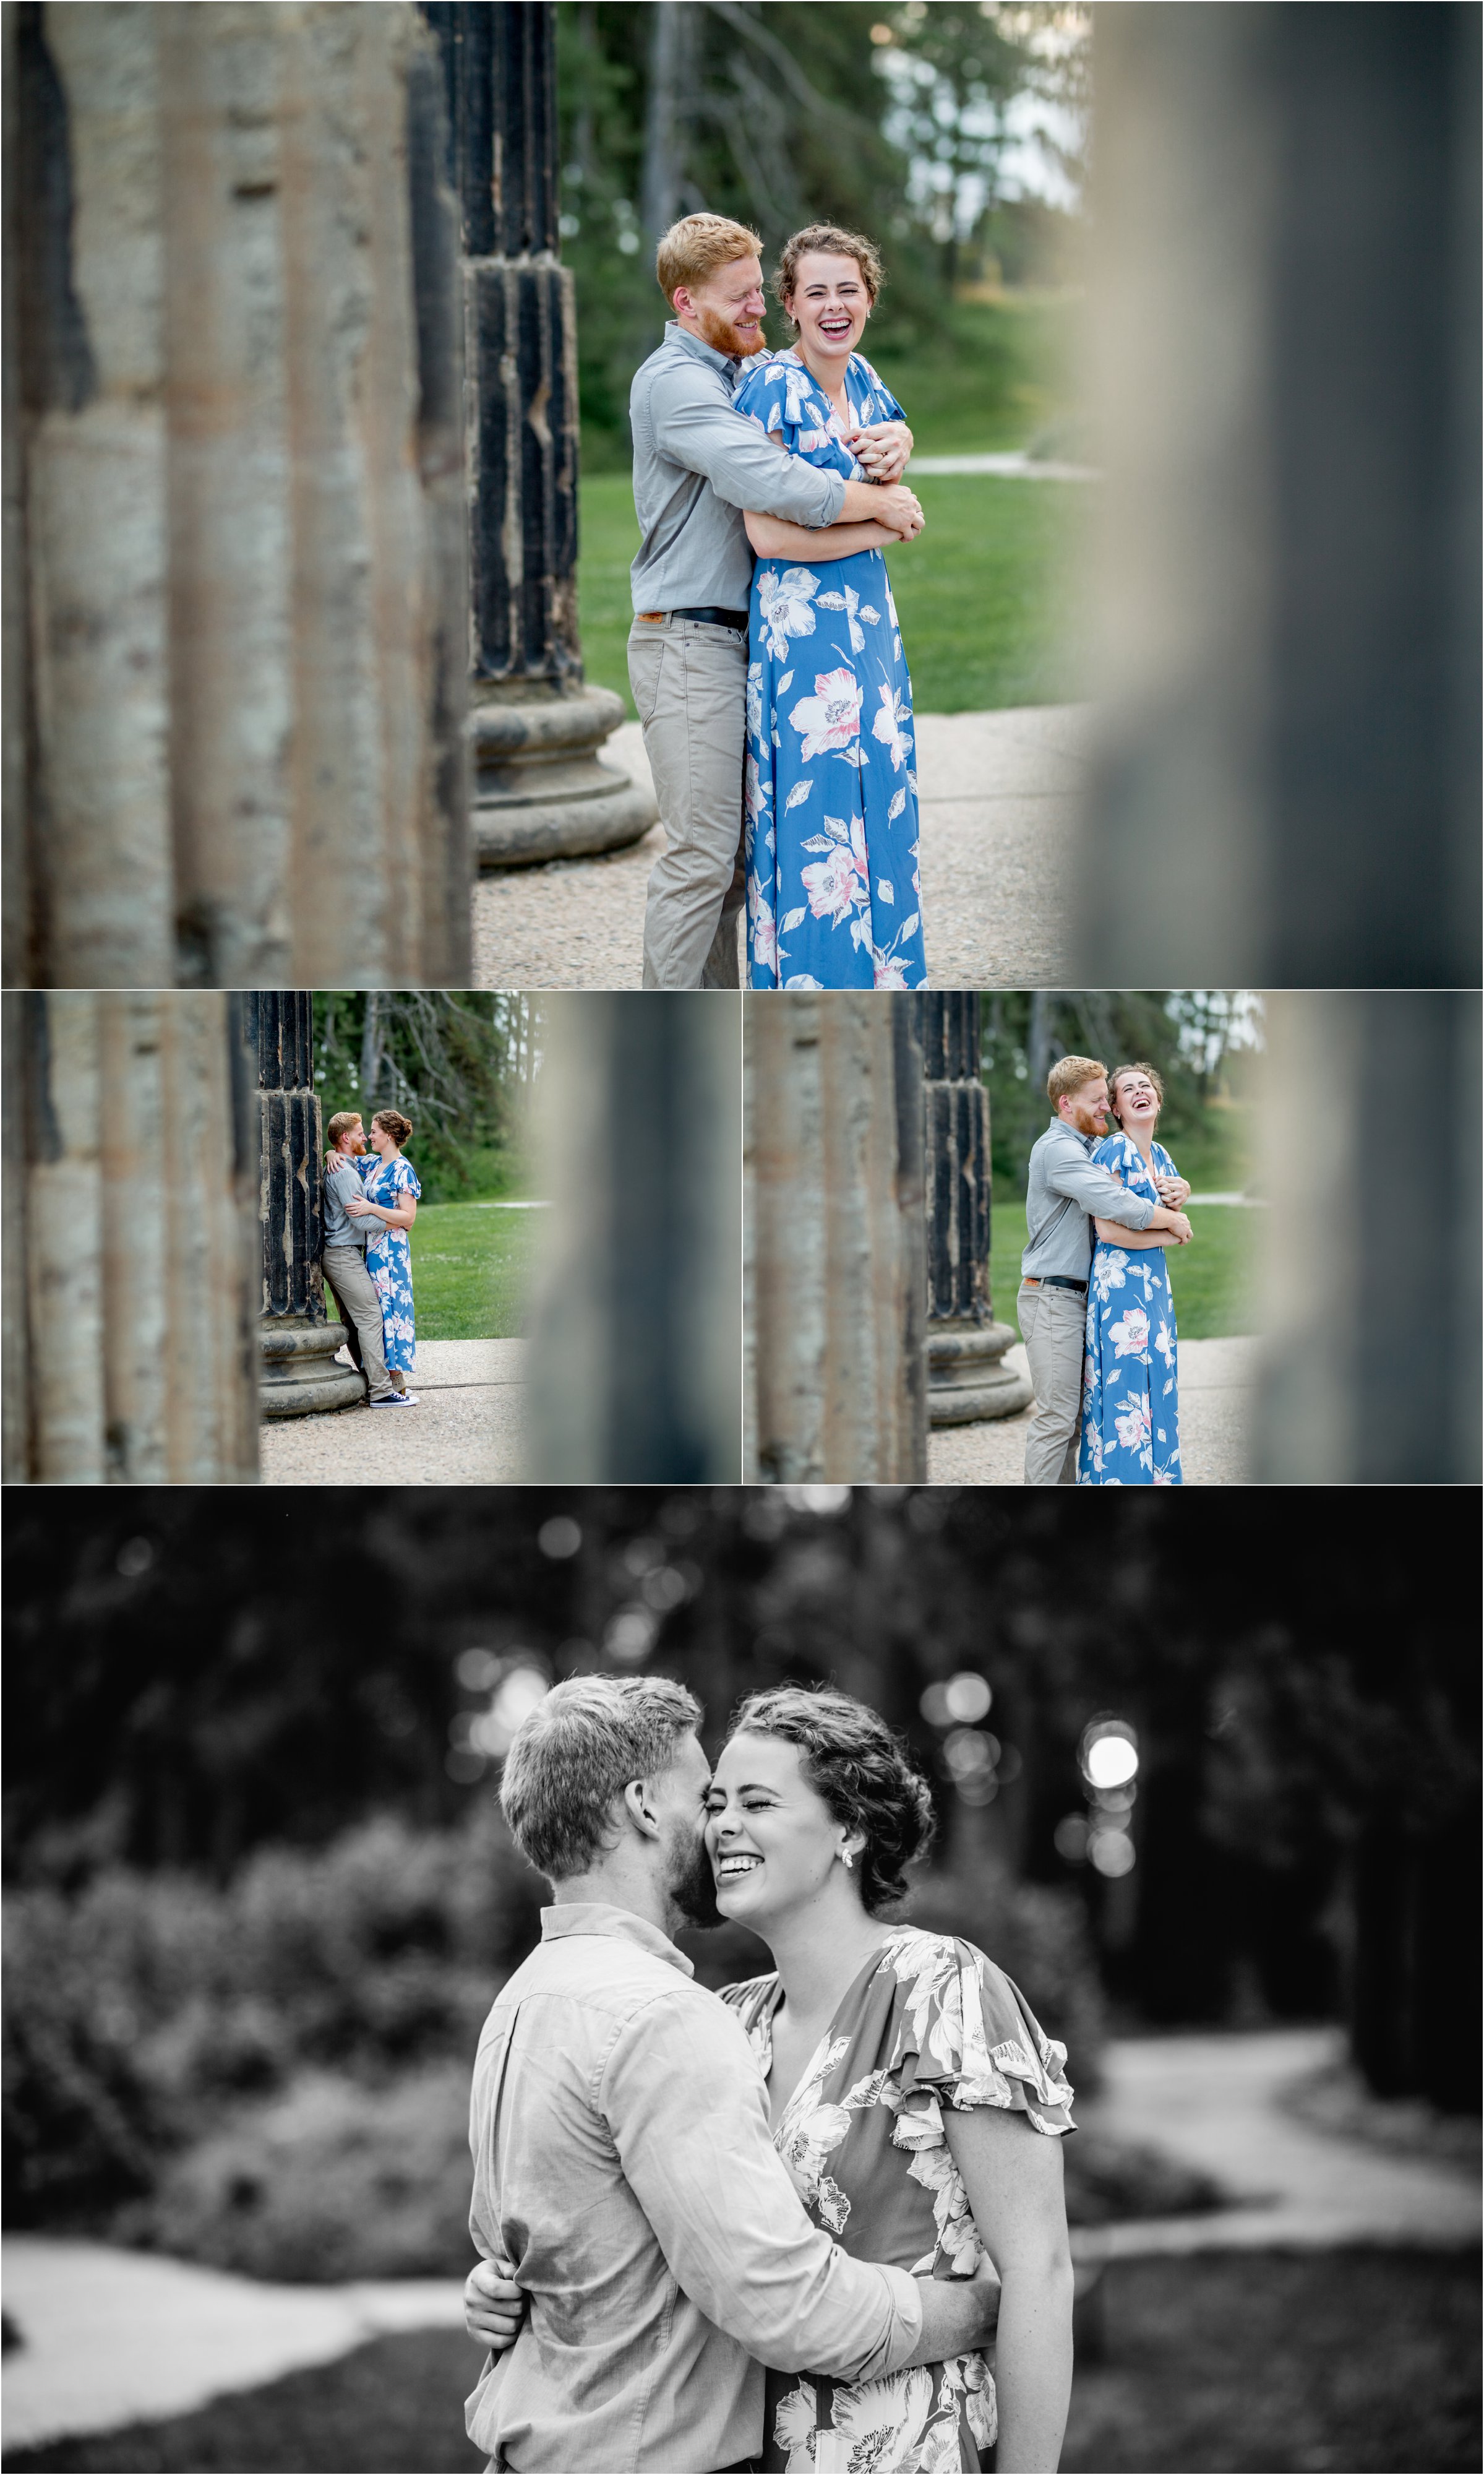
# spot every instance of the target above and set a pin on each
(595, 1917)
(698, 346)
(1059, 1126)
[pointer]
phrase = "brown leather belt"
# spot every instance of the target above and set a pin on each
(1050, 1281)
(710, 617)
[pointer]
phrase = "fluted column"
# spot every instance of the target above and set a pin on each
(968, 1377)
(296, 1343)
(130, 1263)
(534, 727)
(241, 670)
(836, 1274)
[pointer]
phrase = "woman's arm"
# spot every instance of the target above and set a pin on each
(1115, 1233)
(772, 537)
(1012, 2177)
(396, 1215)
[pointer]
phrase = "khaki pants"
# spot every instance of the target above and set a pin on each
(355, 1293)
(689, 684)
(1052, 1323)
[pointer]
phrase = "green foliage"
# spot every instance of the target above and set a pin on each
(459, 1064)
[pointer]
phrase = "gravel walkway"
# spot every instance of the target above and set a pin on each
(464, 1431)
(999, 793)
(1218, 2103)
(1216, 1379)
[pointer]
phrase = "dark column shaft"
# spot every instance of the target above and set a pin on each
(297, 1340)
(967, 1379)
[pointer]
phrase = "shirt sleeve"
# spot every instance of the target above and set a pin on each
(737, 457)
(685, 2105)
(1097, 1190)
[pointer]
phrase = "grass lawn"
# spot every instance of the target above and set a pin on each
(1214, 1278)
(470, 1270)
(983, 595)
(1249, 2360)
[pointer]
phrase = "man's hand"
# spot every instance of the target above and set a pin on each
(899, 512)
(1172, 1190)
(1181, 1229)
(493, 2306)
(881, 448)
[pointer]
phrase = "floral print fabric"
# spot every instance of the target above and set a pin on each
(1130, 1395)
(929, 2023)
(831, 778)
(389, 1259)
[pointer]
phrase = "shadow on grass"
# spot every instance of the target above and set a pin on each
(1351, 2360)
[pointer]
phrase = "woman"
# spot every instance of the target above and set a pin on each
(391, 1197)
(909, 2084)
(1130, 1404)
(831, 783)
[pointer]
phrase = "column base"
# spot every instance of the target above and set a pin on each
(966, 1377)
(297, 1373)
(539, 790)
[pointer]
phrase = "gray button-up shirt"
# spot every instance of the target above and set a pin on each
(696, 465)
(341, 1185)
(1065, 1185)
(623, 2165)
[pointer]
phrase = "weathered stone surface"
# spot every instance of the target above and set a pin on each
(835, 1275)
(965, 1347)
(241, 503)
(296, 1342)
(131, 1274)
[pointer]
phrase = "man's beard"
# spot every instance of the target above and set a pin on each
(692, 1885)
(722, 336)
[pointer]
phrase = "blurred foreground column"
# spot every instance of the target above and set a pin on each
(968, 1377)
(535, 729)
(235, 337)
(131, 1261)
(836, 1256)
(636, 1356)
(296, 1343)
(1285, 305)
(1371, 1359)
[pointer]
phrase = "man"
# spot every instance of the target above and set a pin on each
(1065, 1191)
(698, 465)
(622, 2161)
(343, 1257)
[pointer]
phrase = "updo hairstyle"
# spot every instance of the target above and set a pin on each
(863, 1772)
(834, 243)
(392, 1123)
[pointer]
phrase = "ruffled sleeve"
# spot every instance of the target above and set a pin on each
(408, 1180)
(879, 403)
(1108, 1153)
(967, 2035)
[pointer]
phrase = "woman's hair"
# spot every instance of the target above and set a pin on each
(392, 1123)
(691, 252)
(574, 1757)
(835, 243)
(865, 1774)
(1138, 1066)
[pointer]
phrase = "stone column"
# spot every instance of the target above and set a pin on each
(635, 1351)
(129, 1264)
(241, 672)
(539, 791)
(296, 1342)
(835, 1272)
(1371, 1303)
(968, 1377)
(1286, 320)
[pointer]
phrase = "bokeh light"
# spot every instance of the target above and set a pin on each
(1109, 1754)
(1110, 1853)
(560, 1536)
(963, 1702)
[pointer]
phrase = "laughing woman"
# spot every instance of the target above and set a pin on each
(1130, 1384)
(833, 896)
(915, 2102)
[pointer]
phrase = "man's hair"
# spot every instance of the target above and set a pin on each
(1069, 1074)
(575, 1756)
(340, 1124)
(691, 251)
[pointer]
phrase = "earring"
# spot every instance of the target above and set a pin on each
(847, 1859)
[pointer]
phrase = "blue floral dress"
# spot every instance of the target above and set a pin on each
(831, 774)
(1130, 1397)
(929, 2023)
(389, 1259)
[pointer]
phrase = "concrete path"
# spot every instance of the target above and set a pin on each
(465, 1430)
(1216, 1379)
(1216, 2102)
(1015, 465)
(998, 792)
(110, 2337)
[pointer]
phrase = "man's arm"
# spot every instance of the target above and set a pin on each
(1099, 1194)
(743, 465)
(686, 2110)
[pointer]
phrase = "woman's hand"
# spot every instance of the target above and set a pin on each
(493, 2306)
(359, 1208)
(1172, 1190)
(882, 448)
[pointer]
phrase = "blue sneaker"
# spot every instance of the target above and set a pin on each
(395, 1401)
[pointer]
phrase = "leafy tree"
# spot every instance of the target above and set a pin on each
(460, 1063)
